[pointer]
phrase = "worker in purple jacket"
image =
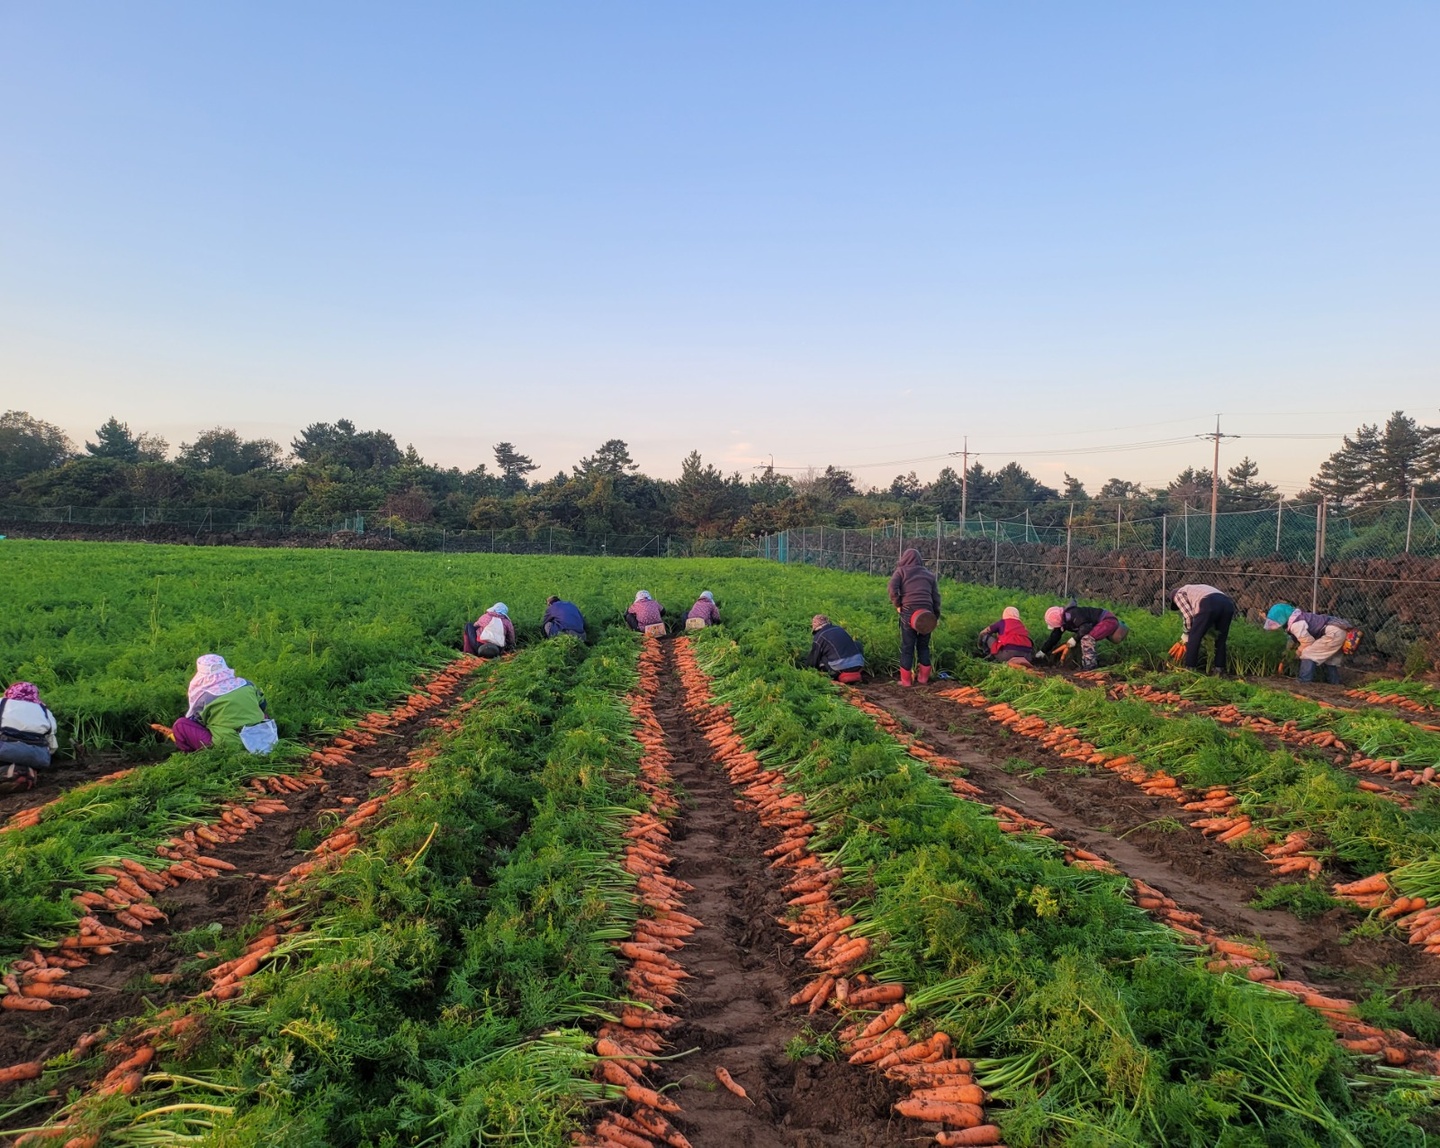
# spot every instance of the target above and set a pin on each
(916, 595)
(704, 612)
(1320, 637)
(644, 612)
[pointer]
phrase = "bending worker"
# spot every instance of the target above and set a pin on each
(646, 614)
(703, 613)
(491, 634)
(916, 595)
(562, 617)
(1321, 638)
(224, 710)
(27, 737)
(1089, 624)
(1202, 609)
(1008, 640)
(833, 650)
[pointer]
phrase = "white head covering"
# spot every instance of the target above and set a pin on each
(643, 596)
(501, 609)
(212, 677)
(707, 594)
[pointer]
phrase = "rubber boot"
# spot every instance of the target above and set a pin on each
(1332, 673)
(1306, 672)
(922, 674)
(906, 677)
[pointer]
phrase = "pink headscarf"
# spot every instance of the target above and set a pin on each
(1010, 612)
(212, 677)
(23, 692)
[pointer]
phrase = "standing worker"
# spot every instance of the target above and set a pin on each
(916, 595)
(703, 613)
(562, 617)
(1089, 624)
(1202, 609)
(833, 650)
(1321, 638)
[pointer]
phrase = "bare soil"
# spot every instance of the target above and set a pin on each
(1146, 837)
(122, 984)
(744, 969)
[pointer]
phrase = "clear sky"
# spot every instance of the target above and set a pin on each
(828, 232)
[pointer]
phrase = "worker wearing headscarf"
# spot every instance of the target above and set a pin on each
(705, 612)
(491, 634)
(1320, 637)
(1088, 624)
(225, 710)
(1008, 640)
(644, 612)
(915, 594)
(833, 650)
(27, 737)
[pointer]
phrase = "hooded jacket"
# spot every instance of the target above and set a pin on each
(912, 587)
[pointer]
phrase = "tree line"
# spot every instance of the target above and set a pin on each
(334, 470)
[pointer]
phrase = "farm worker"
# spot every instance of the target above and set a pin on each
(224, 710)
(834, 651)
(27, 737)
(916, 596)
(703, 613)
(645, 614)
(490, 634)
(1008, 640)
(562, 617)
(1088, 624)
(1202, 609)
(1321, 638)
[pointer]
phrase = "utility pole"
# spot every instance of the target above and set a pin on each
(1215, 480)
(964, 480)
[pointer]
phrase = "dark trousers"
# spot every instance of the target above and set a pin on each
(473, 644)
(913, 645)
(1216, 612)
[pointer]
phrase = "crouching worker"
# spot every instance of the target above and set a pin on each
(562, 617)
(27, 737)
(1008, 640)
(834, 651)
(224, 710)
(491, 634)
(703, 613)
(1322, 640)
(1089, 625)
(1202, 609)
(646, 614)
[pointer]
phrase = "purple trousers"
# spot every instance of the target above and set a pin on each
(190, 735)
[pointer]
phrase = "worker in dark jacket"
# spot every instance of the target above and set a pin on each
(1088, 624)
(1202, 609)
(562, 617)
(1008, 640)
(916, 596)
(834, 651)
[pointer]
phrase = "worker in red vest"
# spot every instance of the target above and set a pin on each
(1008, 640)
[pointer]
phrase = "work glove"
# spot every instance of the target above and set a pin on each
(1177, 652)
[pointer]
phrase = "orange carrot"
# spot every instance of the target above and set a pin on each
(950, 1112)
(724, 1077)
(980, 1136)
(639, 1094)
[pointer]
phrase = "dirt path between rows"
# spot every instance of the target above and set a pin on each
(124, 983)
(743, 971)
(1111, 817)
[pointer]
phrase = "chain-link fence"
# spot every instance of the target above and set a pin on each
(221, 526)
(1377, 565)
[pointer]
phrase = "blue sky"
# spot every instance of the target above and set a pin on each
(831, 233)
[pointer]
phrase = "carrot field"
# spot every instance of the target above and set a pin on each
(639, 892)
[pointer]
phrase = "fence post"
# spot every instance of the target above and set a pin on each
(995, 563)
(937, 545)
(822, 545)
(1185, 510)
(1409, 520)
(872, 550)
(1117, 525)
(1164, 522)
(1027, 524)
(1279, 516)
(1069, 528)
(1319, 544)
(900, 535)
